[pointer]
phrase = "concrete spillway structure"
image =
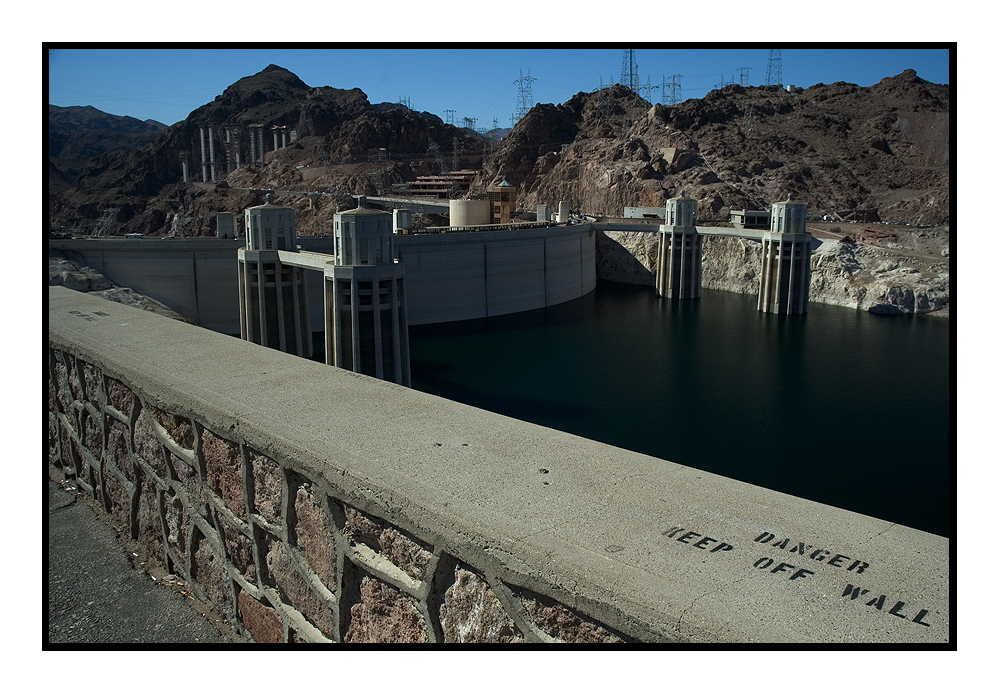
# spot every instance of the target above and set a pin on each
(272, 294)
(364, 304)
(678, 272)
(785, 269)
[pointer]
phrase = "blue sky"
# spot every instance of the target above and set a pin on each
(167, 83)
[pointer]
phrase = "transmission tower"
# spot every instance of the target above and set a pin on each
(605, 106)
(449, 116)
(773, 67)
(674, 86)
(469, 123)
(433, 150)
(749, 123)
(405, 101)
(630, 70)
(524, 98)
(108, 218)
(647, 90)
(744, 76)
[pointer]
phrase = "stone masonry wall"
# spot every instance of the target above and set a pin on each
(279, 555)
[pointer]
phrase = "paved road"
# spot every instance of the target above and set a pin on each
(95, 596)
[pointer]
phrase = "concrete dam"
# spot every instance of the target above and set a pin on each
(449, 277)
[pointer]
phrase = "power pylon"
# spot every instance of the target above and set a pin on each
(674, 88)
(647, 90)
(524, 98)
(449, 116)
(605, 107)
(773, 67)
(749, 122)
(108, 218)
(744, 76)
(630, 70)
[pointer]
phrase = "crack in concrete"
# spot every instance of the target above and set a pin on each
(687, 609)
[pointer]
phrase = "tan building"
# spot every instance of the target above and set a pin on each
(504, 199)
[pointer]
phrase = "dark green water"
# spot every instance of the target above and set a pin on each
(846, 408)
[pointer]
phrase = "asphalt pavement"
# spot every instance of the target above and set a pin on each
(96, 595)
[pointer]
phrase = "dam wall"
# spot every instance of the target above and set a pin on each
(462, 276)
(448, 276)
(312, 504)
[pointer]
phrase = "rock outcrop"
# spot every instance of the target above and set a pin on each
(896, 279)
(66, 273)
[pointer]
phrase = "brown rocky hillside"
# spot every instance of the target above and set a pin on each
(879, 153)
(865, 153)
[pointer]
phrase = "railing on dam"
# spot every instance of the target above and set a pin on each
(309, 503)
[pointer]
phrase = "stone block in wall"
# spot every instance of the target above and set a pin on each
(178, 525)
(380, 613)
(150, 529)
(209, 572)
(470, 612)
(64, 393)
(267, 483)
(119, 396)
(295, 591)
(190, 481)
(239, 549)
(92, 384)
(263, 623)
(53, 404)
(117, 497)
(408, 554)
(72, 461)
(53, 426)
(224, 471)
(314, 534)
(559, 621)
(73, 377)
(117, 451)
(93, 436)
(180, 429)
(148, 446)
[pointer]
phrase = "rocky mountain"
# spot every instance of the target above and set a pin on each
(78, 133)
(336, 129)
(856, 153)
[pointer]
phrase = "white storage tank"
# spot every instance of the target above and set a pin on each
(468, 213)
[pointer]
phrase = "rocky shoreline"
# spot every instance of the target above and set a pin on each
(908, 276)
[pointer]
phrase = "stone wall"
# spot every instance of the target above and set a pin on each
(280, 556)
(312, 504)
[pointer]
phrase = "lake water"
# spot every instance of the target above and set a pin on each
(842, 407)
